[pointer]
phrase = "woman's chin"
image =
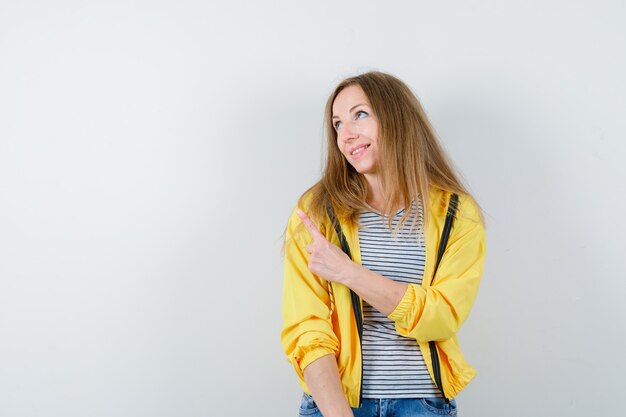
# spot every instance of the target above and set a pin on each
(364, 169)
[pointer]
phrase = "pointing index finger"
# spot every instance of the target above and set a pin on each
(310, 226)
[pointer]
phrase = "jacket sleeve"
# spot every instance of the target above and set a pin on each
(307, 332)
(437, 312)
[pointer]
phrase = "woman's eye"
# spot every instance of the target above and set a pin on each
(360, 114)
(337, 125)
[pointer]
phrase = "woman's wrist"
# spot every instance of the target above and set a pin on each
(352, 273)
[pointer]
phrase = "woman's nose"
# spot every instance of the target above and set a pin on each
(347, 132)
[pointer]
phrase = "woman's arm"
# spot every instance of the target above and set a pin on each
(307, 336)
(322, 379)
(307, 333)
(380, 292)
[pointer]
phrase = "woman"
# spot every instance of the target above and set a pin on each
(374, 333)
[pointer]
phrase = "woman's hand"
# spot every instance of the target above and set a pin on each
(327, 260)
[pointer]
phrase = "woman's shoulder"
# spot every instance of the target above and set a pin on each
(467, 207)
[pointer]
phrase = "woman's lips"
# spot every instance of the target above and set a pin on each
(359, 153)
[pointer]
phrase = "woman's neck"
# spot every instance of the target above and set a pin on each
(375, 194)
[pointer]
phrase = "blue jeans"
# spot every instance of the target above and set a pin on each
(405, 407)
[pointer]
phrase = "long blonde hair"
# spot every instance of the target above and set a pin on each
(410, 160)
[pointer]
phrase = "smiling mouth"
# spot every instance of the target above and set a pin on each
(359, 150)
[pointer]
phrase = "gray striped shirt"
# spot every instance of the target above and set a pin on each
(393, 366)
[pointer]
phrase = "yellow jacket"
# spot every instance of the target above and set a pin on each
(318, 318)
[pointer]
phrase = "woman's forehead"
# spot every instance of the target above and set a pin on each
(349, 97)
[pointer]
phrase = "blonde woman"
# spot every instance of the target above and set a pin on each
(371, 329)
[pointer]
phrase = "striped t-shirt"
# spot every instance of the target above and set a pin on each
(393, 366)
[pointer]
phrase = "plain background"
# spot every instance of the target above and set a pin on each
(151, 152)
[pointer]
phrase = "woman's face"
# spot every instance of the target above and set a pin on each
(357, 129)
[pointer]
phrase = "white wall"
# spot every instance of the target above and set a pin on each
(150, 153)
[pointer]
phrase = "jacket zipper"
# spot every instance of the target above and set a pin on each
(356, 308)
(452, 206)
(436, 371)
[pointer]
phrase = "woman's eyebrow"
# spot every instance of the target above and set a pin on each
(352, 108)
